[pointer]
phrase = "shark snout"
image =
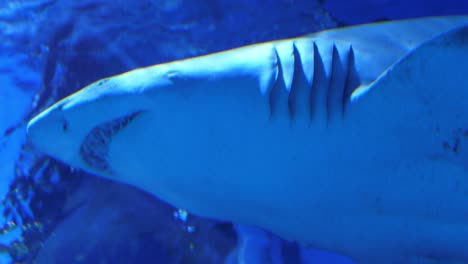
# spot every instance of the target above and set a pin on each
(48, 133)
(40, 129)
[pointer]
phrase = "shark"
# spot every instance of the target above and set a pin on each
(351, 140)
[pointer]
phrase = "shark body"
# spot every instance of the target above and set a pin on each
(352, 140)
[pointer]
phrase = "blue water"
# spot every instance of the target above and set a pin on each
(49, 49)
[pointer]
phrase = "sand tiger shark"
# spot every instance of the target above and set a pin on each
(351, 140)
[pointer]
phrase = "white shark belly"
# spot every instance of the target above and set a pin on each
(326, 188)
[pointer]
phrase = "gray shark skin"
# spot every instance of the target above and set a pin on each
(352, 140)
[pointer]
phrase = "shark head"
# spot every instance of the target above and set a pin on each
(79, 129)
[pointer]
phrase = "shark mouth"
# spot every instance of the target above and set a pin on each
(94, 149)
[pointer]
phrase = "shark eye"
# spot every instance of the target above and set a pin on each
(65, 125)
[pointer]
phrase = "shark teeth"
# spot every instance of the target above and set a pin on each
(94, 149)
